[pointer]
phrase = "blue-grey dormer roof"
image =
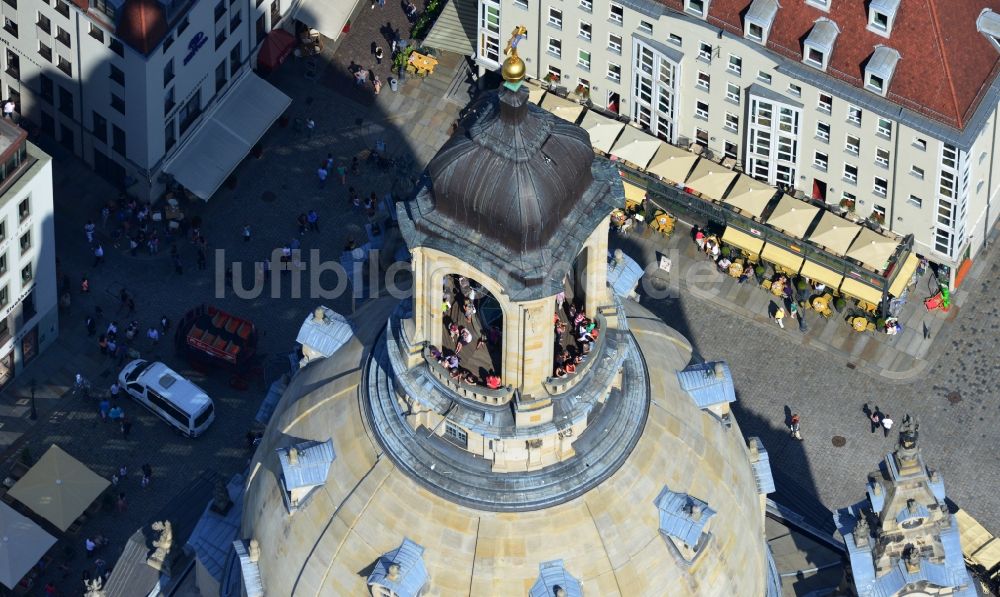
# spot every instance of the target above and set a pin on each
(623, 274)
(876, 497)
(762, 468)
(708, 384)
(213, 536)
(313, 463)
(552, 575)
(883, 64)
(412, 574)
(678, 517)
(822, 36)
(324, 335)
(762, 13)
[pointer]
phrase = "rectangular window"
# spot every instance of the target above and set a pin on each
(704, 81)
(733, 93)
(65, 66)
(97, 33)
(675, 39)
(235, 59)
(615, 43)
(169, 136)
(585, 30)
(878, 214)
(555, 47)
(190, 111)
(118, 103)
(730, 150)
(825, 103)
(167, 42)
(815, 57)
(11, 3)
(920, 144)
(795, 89)
(44, 24)
(915, 201)
(763, 77)
(553, 74)
(44, 51)
(850, 173)
(168, 72)
(183, 25)
(66, 103)
(614, 72)
(117, 139)
(235, 19)
(645, 27)
(46, 88)
(732, 122)
(917, 171)
(583, 59)
(823, 131)
(854, 114)
(25, 242)
(755, 32)
(3, 237)
(62, 8)
(701, 109)
(705, 51)
(3, 270)
(884, 128)
(587, 5)
(117, 47)
(555, 18)
(220, 9)
(882, 157)
(853, 144)
(735, 64)
(617, 13)
(116, 74)
(695, 7)
(221, 76)
(62, 36)
(13, 64)
(521, 4)
(456, 433)
(881, 186)
(220, 38)
(10, 26)
(168, 101)
(821, 160)
(23, 210)
(99, 127)
(26, 274)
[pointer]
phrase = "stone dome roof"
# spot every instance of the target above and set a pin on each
(143, 25)
(512, 172)
(608, 538)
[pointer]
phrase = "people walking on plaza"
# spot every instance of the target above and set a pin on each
(164, 324)
(88, 230)
(91, 326)
(874, 417)
(246, 233)
(98, 255)
(125, 427)
(202, 260)
(178, 264)
(147, 471)
(8, 109)
(112, 330)
(793, 426)
(102, 343)
(154, 335)
(310, 127)
(377, 84)
(779, 317)
(112, 347)
(121, 505)
(90, 546)
(342, 173)
(886, 423)
(104, 408)
(114, 390)
(321, 174)
(303, 223)
(130, 304)
(117, 413)
(313, 219)
(84, 285)
(379, 54)
(355, 166)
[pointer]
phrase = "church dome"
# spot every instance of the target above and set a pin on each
(512, 172)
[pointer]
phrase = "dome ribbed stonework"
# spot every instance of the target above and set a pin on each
(513, 174)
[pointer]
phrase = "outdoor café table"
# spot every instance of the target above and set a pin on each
(736, 269)
(777, 288)
(424, 64)
(859, 324)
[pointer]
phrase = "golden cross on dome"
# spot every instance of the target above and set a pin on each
(513, 67)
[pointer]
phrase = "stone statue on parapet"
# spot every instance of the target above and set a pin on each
(158, 559)
(93, 587)
(908, 432)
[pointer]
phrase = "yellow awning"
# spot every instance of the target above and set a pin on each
(783, 257)
(633, 194)
(902, 279)
(988, 556)
(861, 291)
(563, 108)
(742, 240)
(792, 216)
(817, 272)
(835, 233)
(749, 195)
(872, 249)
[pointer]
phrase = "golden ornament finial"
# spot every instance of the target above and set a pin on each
(513, 67)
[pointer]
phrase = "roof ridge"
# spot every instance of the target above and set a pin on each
(939, 42)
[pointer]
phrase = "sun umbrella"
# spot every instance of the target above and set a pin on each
(671, 163)
(635, 146)
(58, 488)
(602, 130)
(872, 249)
(22, 544)
(750, 195)
(834, 233)
(535, 92)
(563, 108)
(710, 179)
(792, 216)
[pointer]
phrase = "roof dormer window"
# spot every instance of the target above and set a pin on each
(697, 7)
(304, 468)
(881, 14)
(818, 46)
(988, 24)
(820, 4)
(684, 522)
(880, 68)
(758, 20)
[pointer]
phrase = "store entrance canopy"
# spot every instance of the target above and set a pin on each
(226, 135)
(328, 18)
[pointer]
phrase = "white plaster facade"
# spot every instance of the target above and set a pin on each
(706, 91)
(164, 93)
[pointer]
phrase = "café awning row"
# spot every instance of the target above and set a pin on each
(872, 249)
(561, 107)
(226, 134)
(328, 18)
(792, 216)
(902, 279)
(633, 194)
(710, 180)
(783, 257)
(635, 146)
(671, 163)
(818, 273)
(750, 196)
(602, 130)
(852, 287)
(742, 240)
(834, 233)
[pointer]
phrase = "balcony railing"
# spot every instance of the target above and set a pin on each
(482, 394)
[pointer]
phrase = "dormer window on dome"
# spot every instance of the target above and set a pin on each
(881, 14)
(684, 523)
(697, 7)
(304, 468)
(758, 20)
(761, 464)
(818, 46)
(400, 572)
(710, 386)
(880, 68)
(554, 581)
(988, 23)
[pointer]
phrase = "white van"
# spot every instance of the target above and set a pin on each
(174, 399)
